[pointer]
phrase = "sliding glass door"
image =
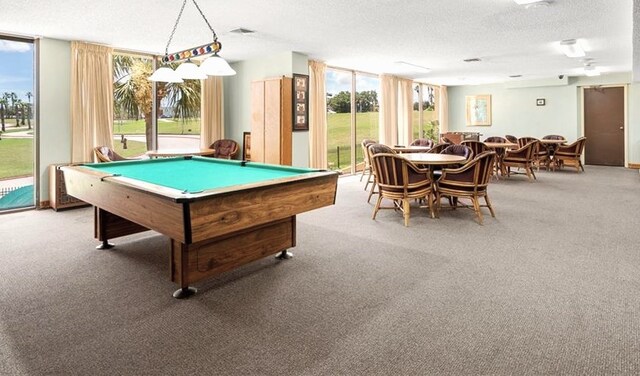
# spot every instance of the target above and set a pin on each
(17, 124)
(352, 115)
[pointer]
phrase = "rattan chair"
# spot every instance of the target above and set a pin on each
(522, 157)
(106, 154)
(436, 149)
(467, 182)
(366, 169)
(511, 138)
(373, 149)
(225, 149)
(422, 142)
(400, 180)
(477, 147)
(571, 154)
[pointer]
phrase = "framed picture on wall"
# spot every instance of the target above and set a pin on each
(478, 109)
(300, 102)
(246, 146)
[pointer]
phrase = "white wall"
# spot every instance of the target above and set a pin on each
(514, 110)
(237, 96)
(53, 108)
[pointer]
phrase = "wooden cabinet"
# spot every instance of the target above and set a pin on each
(271, 121)
(58, 197)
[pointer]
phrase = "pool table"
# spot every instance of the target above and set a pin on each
(219, 214)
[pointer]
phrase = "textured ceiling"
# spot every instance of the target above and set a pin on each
(366, 35)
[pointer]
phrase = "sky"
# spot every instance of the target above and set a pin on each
(337, 81)
(16, 68)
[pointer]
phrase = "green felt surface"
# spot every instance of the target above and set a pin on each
(197, 174)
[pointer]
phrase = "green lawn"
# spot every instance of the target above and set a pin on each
(165, 126)
(16, 157)
(339, 135)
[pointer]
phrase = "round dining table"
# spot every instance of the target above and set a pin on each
(433, 159)
(410, 149)
(501, 145)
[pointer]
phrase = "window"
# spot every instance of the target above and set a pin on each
(16, 123)
(425, 111)
(352, 115)
(177, 106)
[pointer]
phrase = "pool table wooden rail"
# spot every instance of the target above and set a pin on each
(214, 232)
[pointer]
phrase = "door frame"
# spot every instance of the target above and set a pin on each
(626, 117)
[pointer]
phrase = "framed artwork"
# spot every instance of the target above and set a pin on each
(300, 102)
(246, 146)
(540, 102)
(478, 110)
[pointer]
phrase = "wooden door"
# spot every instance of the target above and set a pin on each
(272, 119)
(257, 121)
(604, 126)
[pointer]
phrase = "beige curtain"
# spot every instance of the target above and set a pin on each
(388, 130)
(443, 110)
(317, 115)
(405, 111)
(211, 111)
(91, 99)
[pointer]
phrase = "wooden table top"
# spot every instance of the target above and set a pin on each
(433, 158)
(411, 149)
(179, 152)
(498, 145)
(557, 142)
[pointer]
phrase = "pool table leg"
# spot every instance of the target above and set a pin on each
(105, 245)
(184, 292)
(284, 255)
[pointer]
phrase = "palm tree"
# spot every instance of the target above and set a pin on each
(21, 105)
(133, 92)
(29, 95)
(3, 105)
(14, 99)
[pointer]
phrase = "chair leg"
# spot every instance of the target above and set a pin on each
(476, 207)
(377, 207)
(406, 210)
(486, 199)
(430, 203)
(371, 192)
(438, 203)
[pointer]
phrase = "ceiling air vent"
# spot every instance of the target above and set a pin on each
(242, 30)
(472, 60)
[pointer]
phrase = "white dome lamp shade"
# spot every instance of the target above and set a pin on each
(165, 74)
(216, 66)
(190, 71)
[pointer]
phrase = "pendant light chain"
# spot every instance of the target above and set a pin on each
(166, 50)
(175, 26)
(215, 36)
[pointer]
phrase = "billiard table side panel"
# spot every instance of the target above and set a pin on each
(109, 226)
(224, 214)
(193, 262)
(148, 210)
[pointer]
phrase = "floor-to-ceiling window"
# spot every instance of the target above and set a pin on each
(425, 112)
(339, 87)
(144, 119)
(16, 123)
(352, 115)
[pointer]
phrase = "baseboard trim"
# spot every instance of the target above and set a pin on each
(634, 165)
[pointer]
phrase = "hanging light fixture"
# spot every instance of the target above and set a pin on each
(189, 70)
